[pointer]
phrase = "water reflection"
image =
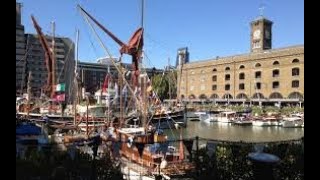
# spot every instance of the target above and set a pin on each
(225, 131)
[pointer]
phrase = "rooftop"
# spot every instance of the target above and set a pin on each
(250, 54)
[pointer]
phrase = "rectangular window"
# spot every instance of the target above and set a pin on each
(227, 87)
(295, 84)
(214, 87)
(214, 78)
(227, 77)
(295, 72)
(241, 76)
(258, 74)
(275, 73)
(241, 86)
(275, 85)
(258, 85)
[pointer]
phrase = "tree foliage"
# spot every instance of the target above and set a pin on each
(51, 164)
(165, 85)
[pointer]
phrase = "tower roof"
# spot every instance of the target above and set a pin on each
(261, 18)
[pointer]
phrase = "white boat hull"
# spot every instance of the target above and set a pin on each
(261, 123)
(130, 174)
(223, 120)
(292, 122)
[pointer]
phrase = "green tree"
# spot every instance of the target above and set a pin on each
(171, 77)
(165, 85)
(160, 86)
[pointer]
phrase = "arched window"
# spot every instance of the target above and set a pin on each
(227, 96)
(242, 96)
(214, 70)
(275, 95)
(258, 96)
(202, 96)
(192, 96)
(214, 96)
(295, 61)
(258, 65)
(227, 68)
(241, 67)
(295, 95)
(276, 63)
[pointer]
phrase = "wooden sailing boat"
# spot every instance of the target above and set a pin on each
(48, 107)
(144, 150)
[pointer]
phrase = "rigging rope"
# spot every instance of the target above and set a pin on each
(111, 59)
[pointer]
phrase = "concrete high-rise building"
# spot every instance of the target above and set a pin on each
(30, 58)
(20, 52)
(64, 62)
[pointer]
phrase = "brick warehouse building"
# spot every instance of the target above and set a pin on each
(263, 76)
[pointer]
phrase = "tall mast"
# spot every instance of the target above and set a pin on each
(144, 77)
(77, 53)
(142, 24)
(120, 89)
(133, 48)
(142, 12)
(29, 93)
(76, 80)
(48, 56)
(108, 95)
(53, 60)
(169, 79)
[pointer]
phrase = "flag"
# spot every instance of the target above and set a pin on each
(60, 97)
(61, 87)
(105, 83)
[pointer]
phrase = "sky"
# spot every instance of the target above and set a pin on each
(209, 28)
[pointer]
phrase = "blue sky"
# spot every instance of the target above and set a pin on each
(208, 28)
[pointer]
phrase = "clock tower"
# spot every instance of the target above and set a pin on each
(261, 34)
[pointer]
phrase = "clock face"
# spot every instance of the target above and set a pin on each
(256, 34)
